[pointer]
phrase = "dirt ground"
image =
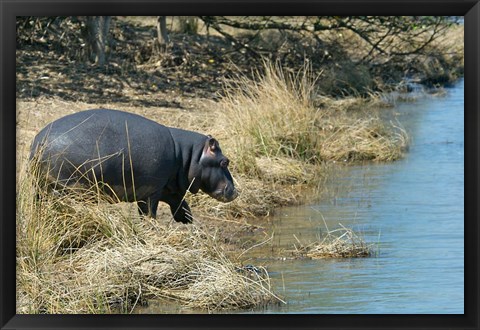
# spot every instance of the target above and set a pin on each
(190, 71)
(178, 89)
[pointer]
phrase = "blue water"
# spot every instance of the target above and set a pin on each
(412, 210)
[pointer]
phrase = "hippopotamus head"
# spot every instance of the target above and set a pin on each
(212, 175)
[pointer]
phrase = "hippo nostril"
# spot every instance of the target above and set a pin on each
(225, 194)
(230, 193)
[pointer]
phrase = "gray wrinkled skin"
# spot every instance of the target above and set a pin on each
(103, 146)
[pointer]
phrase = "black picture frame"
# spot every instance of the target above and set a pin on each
(10, 9)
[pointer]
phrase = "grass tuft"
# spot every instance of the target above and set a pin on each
(339, 243)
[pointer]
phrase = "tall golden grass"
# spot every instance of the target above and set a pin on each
(279, 115)
(272, 115)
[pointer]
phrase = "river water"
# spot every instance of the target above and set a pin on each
(412, 210)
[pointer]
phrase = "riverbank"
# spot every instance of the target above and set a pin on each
(280, 129)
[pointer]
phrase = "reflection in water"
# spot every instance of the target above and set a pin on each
(413, 209)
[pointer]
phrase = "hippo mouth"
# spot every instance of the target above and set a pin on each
(227, 194)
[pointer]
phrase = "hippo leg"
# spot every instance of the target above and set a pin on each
(179, 208)
(148, 207)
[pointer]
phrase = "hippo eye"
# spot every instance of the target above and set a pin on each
(224, 163)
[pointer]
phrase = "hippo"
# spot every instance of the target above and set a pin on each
(133, 159)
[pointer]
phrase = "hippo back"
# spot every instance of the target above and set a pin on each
(105, 145)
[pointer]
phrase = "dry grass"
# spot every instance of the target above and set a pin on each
(279, 119)
(273, 114)
(338, 243)
(79, 254)
(256, 199)
(358, 138)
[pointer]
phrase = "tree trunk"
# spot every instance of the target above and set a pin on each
(162, 33)
(97, 36)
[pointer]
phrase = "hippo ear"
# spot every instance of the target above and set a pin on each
(211, 145)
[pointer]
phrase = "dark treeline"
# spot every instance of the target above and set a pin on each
(367, 53)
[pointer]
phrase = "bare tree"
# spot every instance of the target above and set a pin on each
(97, 28)
(162, 34)
(389, 36)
